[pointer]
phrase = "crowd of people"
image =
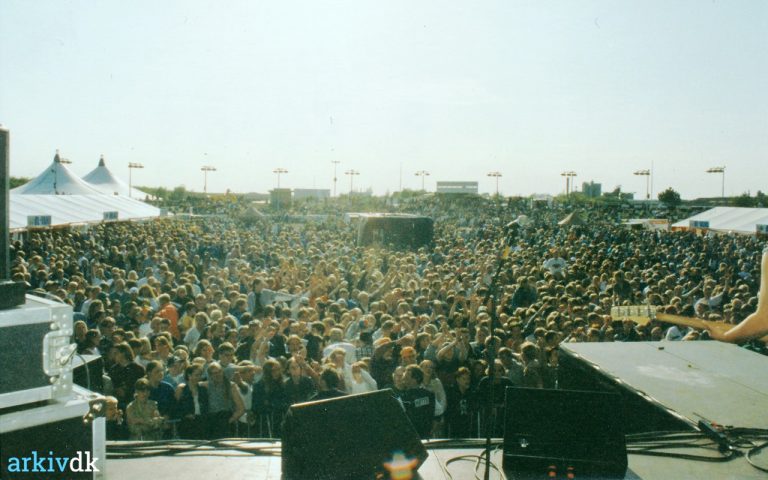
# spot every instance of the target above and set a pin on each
(212, 328)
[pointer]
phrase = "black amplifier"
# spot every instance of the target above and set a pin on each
(563, 433)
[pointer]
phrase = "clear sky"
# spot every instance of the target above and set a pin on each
(457, 88)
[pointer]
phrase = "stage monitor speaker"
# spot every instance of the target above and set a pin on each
(564, 430)
(350, 437)
(88, 372)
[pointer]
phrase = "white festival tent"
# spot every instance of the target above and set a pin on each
(77, 209)
(102, 179)
(57, 179)
(68, 200)
(728, 219)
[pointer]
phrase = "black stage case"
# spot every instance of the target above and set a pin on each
(35, 349)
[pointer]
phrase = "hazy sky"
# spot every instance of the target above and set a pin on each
(457, 88)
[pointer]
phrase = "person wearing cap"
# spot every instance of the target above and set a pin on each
(175, 372)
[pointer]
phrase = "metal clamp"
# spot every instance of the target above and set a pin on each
(57, 354)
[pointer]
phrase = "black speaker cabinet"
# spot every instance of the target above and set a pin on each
(351, 437)
(565, 430)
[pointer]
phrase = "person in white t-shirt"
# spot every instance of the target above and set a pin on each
(556, 265)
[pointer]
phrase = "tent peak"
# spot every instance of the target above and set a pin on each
(101, 160)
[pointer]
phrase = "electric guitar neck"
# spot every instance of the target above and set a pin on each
(644, 314)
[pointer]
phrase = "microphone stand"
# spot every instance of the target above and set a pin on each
(510, 231)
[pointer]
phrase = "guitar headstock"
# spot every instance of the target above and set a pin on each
(640, 314)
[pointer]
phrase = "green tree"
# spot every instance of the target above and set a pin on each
(17, 181)
(761, 200)
(407, 193)
(670, 198)
(744, 200)
(178, 194)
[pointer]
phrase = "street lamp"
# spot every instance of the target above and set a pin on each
(720, 170)
(647, 175)
(422, 174)
(131, 166)
(351, 174)
(496, 175)
(335, 164)
(206, 169)
(569, 174)
(279, 171)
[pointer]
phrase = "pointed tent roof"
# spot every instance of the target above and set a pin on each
(106, 182)
(57, 179)
(573, 218)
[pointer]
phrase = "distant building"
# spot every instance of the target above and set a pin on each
(311, 193)
(591, 189)
(458, 187)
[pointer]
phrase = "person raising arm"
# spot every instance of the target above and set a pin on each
(755, 325)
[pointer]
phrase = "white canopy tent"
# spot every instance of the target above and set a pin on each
(728, 219)
(58, 197)
(106, 182)
(57, 179)
(76, 209)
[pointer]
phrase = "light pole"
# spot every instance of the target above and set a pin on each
(422, 174)
(647, 175)
(496, 175)
(569, 174)
(720, 170)
(351, 174)
(279, 171)
(206, 169)
(335, 164)
(131, 166)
